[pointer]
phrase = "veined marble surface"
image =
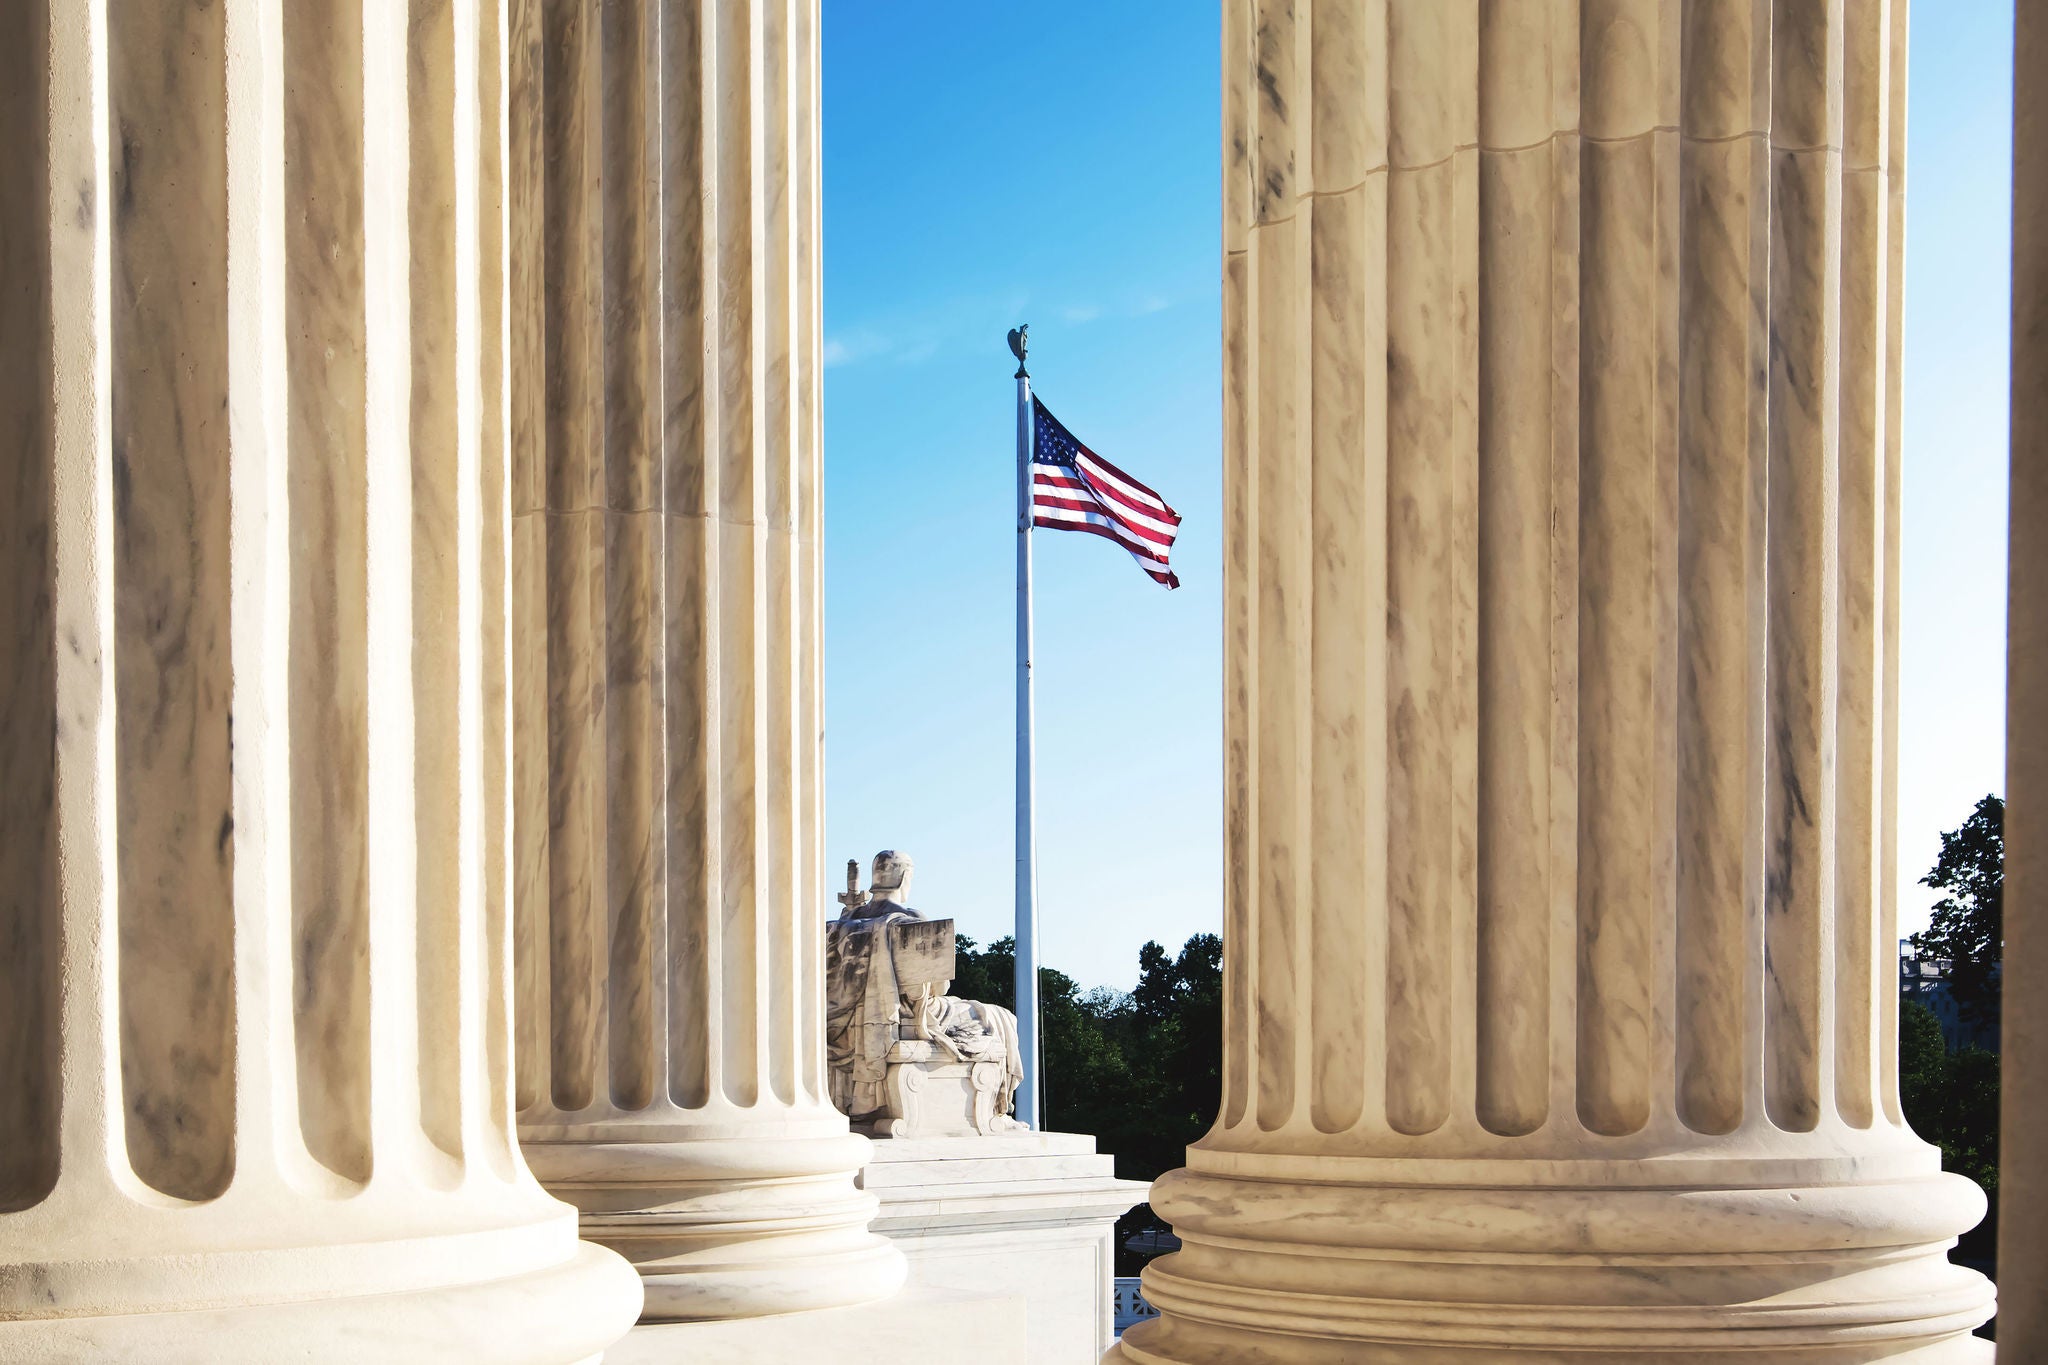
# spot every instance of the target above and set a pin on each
(2023, 1084)
(901, 1328)
(1561, 351)
(667, 745)
(257, 988)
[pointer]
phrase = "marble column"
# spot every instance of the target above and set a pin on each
(1561, 411)
(255, 997)
(670, 891)
(2023, 1086)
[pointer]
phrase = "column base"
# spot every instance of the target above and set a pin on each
(1141, 1347)
(1270, 1351)
(562, 1314)
(916, 1325)
(1315, 1274)
(729, 1228)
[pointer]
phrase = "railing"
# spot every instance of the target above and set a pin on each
(1131, 1307)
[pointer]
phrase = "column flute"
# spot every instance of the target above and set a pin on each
(254, 1003)
(1561, 414)
(669, 751)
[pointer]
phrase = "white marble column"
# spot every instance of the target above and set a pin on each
(1561, 473)
(2023, 1086)
(670, 895)
(255, 992)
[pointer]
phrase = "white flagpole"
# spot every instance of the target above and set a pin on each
(1027, 811)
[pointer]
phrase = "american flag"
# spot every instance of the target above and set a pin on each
(1074, 489)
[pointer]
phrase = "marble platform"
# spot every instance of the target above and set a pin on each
(1025, 1213)
(891, 1332)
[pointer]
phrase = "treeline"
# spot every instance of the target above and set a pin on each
(1950, 1097)
(1141, 1070)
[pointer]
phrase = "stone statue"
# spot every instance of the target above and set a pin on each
(907, 1059)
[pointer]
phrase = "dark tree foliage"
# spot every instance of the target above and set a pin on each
(990, 975)
(1968, 928)
(1141, 1071)
(1951, 1100)
(1179, 1016)
(1923, 1063)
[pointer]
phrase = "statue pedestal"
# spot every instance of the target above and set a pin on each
(928, 1095)
(1016, 1213)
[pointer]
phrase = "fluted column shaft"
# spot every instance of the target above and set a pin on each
(255, 1031)
(666, 539)
(1561, 406)
(2023, 1015)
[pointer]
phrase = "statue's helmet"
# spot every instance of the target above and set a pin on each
(891, 871)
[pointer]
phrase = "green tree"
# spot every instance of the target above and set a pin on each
(989, 974)
(1951, 1100)
(1923, 1066)
(1969, 1140)
(1141, 1071)
(1087, 1076)
(1968, 926)
(1179, 1004)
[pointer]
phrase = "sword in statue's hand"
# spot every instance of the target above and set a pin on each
(853, 898)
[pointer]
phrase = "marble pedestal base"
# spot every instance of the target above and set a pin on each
(1023, 1213)
(1270, 1349)
(916, 1325)
(726, 1227)
(512, 1297)
(1313, 1272)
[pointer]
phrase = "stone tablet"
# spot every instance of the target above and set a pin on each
(924, 952)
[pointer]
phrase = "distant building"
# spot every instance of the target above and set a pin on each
(1925, 980)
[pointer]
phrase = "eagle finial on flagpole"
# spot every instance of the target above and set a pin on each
(1020, 341)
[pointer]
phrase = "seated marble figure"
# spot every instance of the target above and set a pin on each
(907, 1059)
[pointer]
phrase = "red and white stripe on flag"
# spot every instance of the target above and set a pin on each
(1074, 489)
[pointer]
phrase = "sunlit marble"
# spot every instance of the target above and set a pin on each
(667, 736)
(254, 942)
(1561, 489)
(2023, 1086)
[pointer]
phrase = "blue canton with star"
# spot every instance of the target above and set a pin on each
(1052, 443)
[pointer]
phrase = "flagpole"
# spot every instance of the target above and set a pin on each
(1027, 811)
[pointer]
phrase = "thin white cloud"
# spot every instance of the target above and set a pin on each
(854, 347)
(1080, 313)
(912, 337)
(1150, 304)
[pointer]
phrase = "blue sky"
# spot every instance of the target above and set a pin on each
(1057, 163)
(1958, 322)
